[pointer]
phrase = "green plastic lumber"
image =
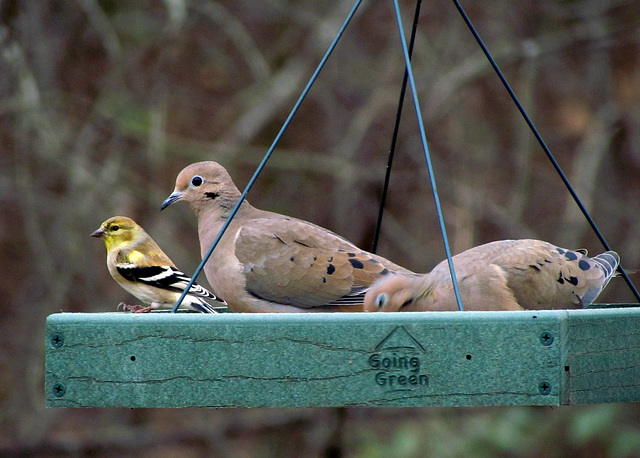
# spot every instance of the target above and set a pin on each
(161, 359)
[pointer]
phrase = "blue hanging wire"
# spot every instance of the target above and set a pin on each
(268, 154)
(543, 144)
(394, 136)
(427, 156)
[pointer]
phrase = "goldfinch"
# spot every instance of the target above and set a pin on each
(138, 264)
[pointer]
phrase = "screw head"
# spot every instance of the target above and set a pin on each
(544, 387)
(59, 390)
(57, 340)
(546, 338)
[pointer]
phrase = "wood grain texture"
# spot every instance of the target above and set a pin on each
(281, 360)
(604, 356)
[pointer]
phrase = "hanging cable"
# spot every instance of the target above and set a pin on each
(243, 196)
(543, 144)
(427, 156)
(394, 136)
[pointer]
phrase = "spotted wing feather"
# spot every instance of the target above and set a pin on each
(293, 262)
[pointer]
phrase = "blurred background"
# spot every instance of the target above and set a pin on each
(102, 103)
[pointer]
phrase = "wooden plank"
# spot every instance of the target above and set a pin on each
(603, 359)
(255, 360)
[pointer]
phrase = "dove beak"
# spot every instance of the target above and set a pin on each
(99, 233)
(174, 197)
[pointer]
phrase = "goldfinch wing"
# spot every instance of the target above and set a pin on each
(164, 277)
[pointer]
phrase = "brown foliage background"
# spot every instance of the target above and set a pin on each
(102, 103)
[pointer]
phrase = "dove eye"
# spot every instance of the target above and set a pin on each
(381, 300)
(196, 181)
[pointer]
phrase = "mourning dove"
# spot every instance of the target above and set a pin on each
(267, 262)
(502, 275)
(138, 264)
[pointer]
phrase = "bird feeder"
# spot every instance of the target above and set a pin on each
(163, 359)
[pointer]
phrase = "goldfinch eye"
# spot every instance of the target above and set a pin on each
(115, 228)
(196, 181)
(381, 300)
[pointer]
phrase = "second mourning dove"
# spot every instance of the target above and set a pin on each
(502, 275)
(268, 262)
(138, 264)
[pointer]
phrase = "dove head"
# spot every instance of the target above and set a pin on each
(204, 185)
(397, 293)
(118, 231)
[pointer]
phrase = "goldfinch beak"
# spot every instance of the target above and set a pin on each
(99, 233)
(174, 197)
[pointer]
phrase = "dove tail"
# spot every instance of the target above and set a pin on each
(608, 262)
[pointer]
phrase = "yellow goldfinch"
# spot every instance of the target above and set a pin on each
(138, 264)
